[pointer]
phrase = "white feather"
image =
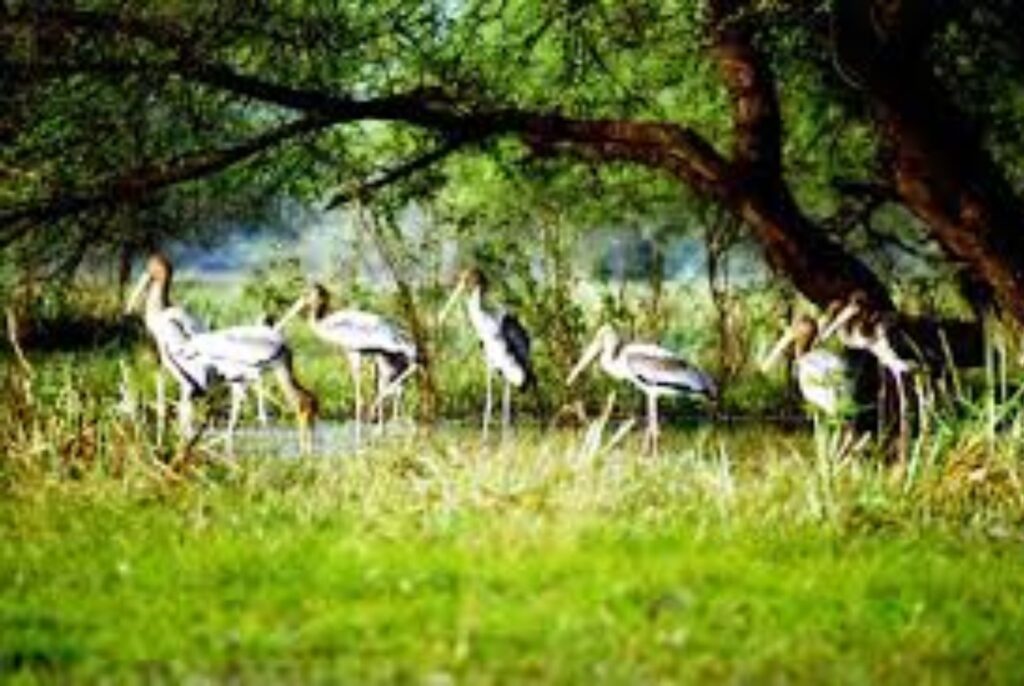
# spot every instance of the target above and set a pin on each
(237, 353)
(360, 331)
(824, 381)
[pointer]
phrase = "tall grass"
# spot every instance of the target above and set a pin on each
(743, 552)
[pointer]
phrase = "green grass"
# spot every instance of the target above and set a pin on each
(742, 554)
(735, 556)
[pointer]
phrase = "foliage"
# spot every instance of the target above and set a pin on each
(88, 104)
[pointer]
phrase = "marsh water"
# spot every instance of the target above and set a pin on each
(279, 439)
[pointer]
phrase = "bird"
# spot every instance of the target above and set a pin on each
(505, 343)
(240, 356)
(859, 327)
(159, 314)
(823, 377)
(199, 359)
(164, 322)
(361, 334)
(655, 370)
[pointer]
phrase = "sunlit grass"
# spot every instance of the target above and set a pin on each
(431, 556)
(744, 551)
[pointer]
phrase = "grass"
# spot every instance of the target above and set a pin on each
(432, 558)
(745, 553)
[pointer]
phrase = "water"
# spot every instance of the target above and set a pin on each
(281, 440)
(337, 438)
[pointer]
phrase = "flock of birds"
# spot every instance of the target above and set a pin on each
(239, 356)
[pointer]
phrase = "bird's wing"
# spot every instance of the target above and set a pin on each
(241, 346)
(657, 366)
(365, 331)
(824, 368)
(517, 340)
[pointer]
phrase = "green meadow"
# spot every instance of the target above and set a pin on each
(742, 555)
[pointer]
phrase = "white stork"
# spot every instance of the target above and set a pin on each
(240, 356)
(824, 377)
(506, 344)
(197, 359)
(860, 329)
(361, 334)
(656, 371)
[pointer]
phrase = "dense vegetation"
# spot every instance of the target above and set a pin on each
(791, 147)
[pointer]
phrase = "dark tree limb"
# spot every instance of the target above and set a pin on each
(750, 184)
(940, 168)
(141, 182)
(397, 173)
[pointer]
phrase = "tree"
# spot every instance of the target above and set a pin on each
(299, 89)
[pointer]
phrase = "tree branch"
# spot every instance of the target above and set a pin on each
(397, 173)
(140, 182)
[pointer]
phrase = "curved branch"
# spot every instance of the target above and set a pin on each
(397, 173)
(143, 181)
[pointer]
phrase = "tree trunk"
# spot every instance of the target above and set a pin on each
(938, 164)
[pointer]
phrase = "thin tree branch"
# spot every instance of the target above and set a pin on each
(397, 173)
(143, 181)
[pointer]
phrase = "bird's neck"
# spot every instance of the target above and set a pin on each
(318, 312)
(475, 302)
(158, 299)
(802, 347)
(610, 357)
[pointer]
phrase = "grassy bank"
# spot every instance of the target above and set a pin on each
(737, 555)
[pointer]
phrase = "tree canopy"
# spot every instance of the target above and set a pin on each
(126, 122)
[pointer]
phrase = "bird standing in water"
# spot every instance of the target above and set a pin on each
(361, 334)
(199, 359)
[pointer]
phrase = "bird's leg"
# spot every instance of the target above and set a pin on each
(488, 401)
(261, 403)
(904, 426)
(880, 406)
(396, 406)
(161, 408)
(237, 397)
(299, 399)
(382, 386)
(185, 412)
(652, 424)
(923, 405)
(506, 410)
(354, 364)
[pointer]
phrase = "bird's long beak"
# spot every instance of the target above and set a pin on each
(588, 356)
(136, 294)
(292, 311)
(776, 352)
(839, 321)
(459, 287)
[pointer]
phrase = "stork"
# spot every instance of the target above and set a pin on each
(859, 328)
(198, 359)
(159, 316)
(654, 370)
(824, 377)
(505, 342)
(240, 356)
(361, 334)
